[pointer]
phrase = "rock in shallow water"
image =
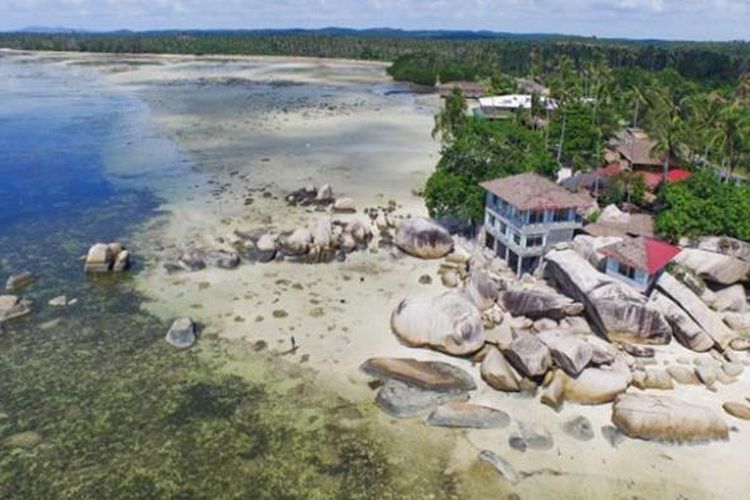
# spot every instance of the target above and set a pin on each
(12, 307)
(106, 257)
(466, 415)
(60, 301)
(580, 428)
(404, 401)
(531, 437)
(503, 466)
(613, 435)
(21, 280)
(192, 260)
(223, 259)
(427, 375)
(182, 333)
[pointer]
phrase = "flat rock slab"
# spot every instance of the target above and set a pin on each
(467, 415)
(404, 401)
(684, 328)
(426, 375)
(537, 304)
(503, 466)
(737, 410)
(663, 418)
(707, 319)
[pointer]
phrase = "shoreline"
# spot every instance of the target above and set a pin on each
(339, 312)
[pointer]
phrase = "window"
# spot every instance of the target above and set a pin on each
(517, 239)
(536, 216)
(490, 243)
(534, 241)
(626, 270)
(502, 227)
(561, 215)
(491, 220)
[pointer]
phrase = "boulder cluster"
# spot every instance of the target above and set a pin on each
(325, 239)
(323, 197)
(572, 333)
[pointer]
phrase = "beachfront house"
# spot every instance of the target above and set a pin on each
(638, 261)
(504, 106)
(526, 214)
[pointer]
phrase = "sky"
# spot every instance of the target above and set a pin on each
(667, 19)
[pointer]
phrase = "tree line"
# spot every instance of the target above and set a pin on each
(416, 56)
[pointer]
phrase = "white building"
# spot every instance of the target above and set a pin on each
(502, 106)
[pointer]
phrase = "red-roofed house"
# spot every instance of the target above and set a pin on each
(676, 175)
(638, 261)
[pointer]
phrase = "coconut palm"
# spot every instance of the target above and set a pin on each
(666, 124)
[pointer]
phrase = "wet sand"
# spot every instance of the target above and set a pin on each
(258, 128)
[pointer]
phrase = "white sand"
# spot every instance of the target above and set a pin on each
(373, 148)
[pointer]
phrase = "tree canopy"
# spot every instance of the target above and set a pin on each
(483, 150)
(704, 205)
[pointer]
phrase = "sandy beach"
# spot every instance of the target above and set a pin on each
(252, 130)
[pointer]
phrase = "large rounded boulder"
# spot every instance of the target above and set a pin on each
(449, 323)
(424, 238)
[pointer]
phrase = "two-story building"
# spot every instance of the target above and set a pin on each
(638, 261)
(526, 214)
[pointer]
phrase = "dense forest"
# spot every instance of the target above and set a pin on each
(422, 57)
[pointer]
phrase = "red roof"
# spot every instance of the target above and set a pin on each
(675, 175)
(678, 175)
(652, 180)
(610, 170)
(648, 254)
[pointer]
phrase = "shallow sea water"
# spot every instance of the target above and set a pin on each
(93, 402)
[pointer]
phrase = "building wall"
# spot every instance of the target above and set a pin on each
(513, 230)
(641, 281)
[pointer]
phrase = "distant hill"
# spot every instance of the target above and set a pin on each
(49, 30)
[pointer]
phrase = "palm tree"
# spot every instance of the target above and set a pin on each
(639, 99)
(451, 117)
(565, 88)
(743, 88)
(702, 119)
(666, 123)
(734, 129)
